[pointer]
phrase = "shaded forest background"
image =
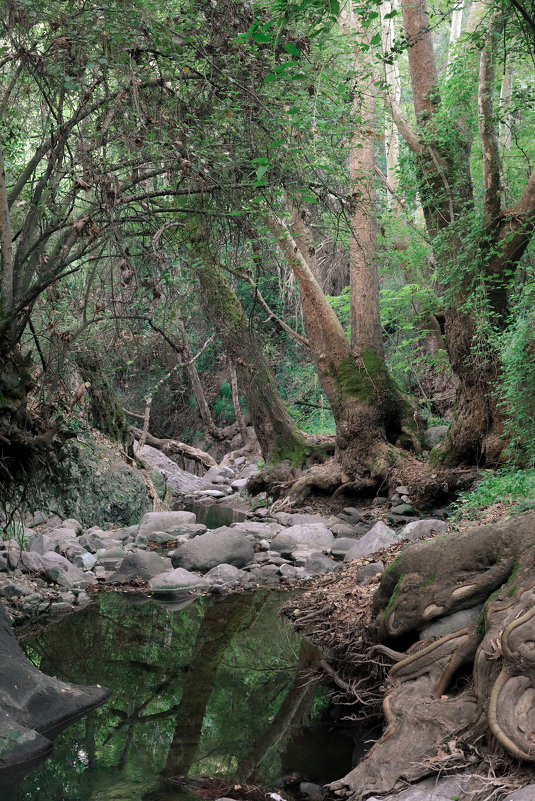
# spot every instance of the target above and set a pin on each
(307, 217)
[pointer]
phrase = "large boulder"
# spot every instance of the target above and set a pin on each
(34, 707)
(378, 537)
(220, 546)
(142, 565)
(314, 536)
(163, 521)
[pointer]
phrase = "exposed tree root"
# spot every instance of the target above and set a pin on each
(442, 696)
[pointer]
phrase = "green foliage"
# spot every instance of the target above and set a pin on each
(518, 378)
(510, 486)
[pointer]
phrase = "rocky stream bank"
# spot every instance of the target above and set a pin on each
(54, 566)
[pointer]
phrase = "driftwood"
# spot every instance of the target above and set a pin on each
(169, 446)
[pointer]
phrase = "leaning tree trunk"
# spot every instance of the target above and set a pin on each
(433, 723)
(363, 400)
(277, 434)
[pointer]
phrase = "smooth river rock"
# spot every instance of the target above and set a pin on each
(176, 581)
(34, 707)
(314, 536)
(222, 545)
(163, 521)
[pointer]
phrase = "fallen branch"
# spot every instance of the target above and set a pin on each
(168, 446)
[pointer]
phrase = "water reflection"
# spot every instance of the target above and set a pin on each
(212, 689)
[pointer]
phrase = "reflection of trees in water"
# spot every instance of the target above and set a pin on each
(295, 705)
(219, 625)
(192, 691)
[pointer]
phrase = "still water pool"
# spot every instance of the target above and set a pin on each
(215, 688)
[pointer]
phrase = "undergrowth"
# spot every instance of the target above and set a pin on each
(510, 486)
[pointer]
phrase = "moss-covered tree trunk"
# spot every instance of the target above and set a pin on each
(364, 402)
(277, 434)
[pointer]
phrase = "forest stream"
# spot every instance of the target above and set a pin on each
(202, 688)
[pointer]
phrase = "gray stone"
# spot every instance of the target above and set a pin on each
(52, 523)
(270, 570)
(188, 529)
(222, 545)
(141, 565)
(300, 519)
(318, 563)
(434, 435)
(310, 790)
(31, 562)
(92, 542)
(220, 480)
(300, 557)
(210, 493)
(315, 536)
(450, 623)
(164, 521)
(124, 534)
(85, 560)
(423, 528)
(524, 794)
(160, 537)
(176, 581)
(366, 572)
(343, 530)
(403, 509)
(59, 570)
(59, 535)
(239, 484)
(351, 515)
(288, 571)
(380, 536)
(433, 789)
(110, 557)
(13, 590)
(342, 545)
(39, 543)
(224, 574)
(260, 530)
(72, 523)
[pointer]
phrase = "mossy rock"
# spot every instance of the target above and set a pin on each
(97, 485)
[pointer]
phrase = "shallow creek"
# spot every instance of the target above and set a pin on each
(204, 688)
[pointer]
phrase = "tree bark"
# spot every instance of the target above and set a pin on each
(168, 446)
(277, 434)
(236, 400)
(363, 400)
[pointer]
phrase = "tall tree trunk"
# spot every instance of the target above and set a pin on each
(363, 400)
(444, 170)
(236, 400)
(195, 381)
(277, 434)
(393, 81)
